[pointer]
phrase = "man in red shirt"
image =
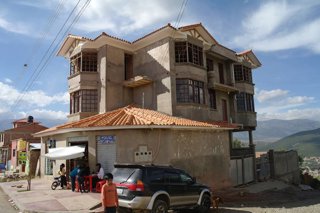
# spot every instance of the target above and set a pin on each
(109, 196)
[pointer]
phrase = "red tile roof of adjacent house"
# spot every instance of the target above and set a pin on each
(131, 116)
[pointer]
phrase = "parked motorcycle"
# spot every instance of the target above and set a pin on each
(56, 182)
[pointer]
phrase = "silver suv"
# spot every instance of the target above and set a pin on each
(158, 189)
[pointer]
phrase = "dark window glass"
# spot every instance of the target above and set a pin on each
(181, 52)
(156, 176)
(187, 52)
(242, 73)
(245, 102)
(221, 73)
(172, 177)
(83, 62)
(84, 101)
(212, 98)
(209, 65)
(189, 91)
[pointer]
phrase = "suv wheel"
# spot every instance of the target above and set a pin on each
(160, 206)
(205, 204)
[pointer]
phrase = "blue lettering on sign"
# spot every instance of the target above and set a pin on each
(105, 139)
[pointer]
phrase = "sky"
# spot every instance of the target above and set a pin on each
(284, 35)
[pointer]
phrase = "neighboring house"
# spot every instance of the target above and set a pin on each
(22, 130)
(168, 73)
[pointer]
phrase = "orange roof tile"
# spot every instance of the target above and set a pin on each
(131, 116)
(134, 116)
(244, 52)
(157, 30)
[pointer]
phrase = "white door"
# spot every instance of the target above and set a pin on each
(106, 155)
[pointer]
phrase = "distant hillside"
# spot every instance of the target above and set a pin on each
(273, 130)
(307, 143)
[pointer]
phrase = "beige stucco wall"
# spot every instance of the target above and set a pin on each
(203, 153)
(154, 61)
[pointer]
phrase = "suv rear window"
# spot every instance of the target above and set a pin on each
(126, 175)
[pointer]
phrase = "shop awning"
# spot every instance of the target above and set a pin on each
(65, 153)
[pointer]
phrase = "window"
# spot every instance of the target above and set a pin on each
(245, 102)
(83, 62)
(84, 101)
(242, 73)
(13, 152)
(221, 73)
(212, 99)
(189, 91)
(128, 66)
(209, 65)
(187, 52)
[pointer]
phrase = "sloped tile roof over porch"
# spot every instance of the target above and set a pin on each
(133, 117)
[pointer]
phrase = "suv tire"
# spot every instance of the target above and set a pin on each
(160, 206)
(205, 204)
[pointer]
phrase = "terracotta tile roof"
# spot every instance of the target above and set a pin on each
(134, 116)
(157, 30)
(192, 26)
(244, 52)
(105, 34)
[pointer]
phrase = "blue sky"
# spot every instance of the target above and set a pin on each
(283, 34)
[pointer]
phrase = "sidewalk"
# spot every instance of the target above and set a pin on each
(42, 198)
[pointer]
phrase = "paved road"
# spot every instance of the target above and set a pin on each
(5, 205)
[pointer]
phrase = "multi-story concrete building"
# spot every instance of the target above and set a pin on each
(180, 72)
(22, 129)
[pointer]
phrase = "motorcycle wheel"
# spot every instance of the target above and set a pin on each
(54, 185)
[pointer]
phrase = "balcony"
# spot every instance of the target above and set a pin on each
(218, 86)
(247, 119)
(137, 81)
(83, 80)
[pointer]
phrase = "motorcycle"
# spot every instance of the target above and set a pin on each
(56, 182)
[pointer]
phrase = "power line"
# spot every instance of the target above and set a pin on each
(38, 44)
(47, 56)
(178, 20)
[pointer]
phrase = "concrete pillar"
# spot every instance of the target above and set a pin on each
(253, 149)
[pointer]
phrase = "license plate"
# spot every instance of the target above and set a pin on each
(120, 191)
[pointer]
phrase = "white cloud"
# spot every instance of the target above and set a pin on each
(307, 113)
(8, 80)
(281, 25)
(265, 96)
(45, 114)
(278, 102)
(106, 15)
(31, 102)
(16, 27)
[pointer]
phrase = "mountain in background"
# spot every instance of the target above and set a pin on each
(7, 123)
(272, 130)
(307, 143)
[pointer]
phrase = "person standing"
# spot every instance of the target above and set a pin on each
(73, 176)
(63, 178)
(109, 196)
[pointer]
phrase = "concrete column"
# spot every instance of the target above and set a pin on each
(253, 149)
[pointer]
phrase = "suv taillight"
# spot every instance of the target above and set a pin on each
(139, 186)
